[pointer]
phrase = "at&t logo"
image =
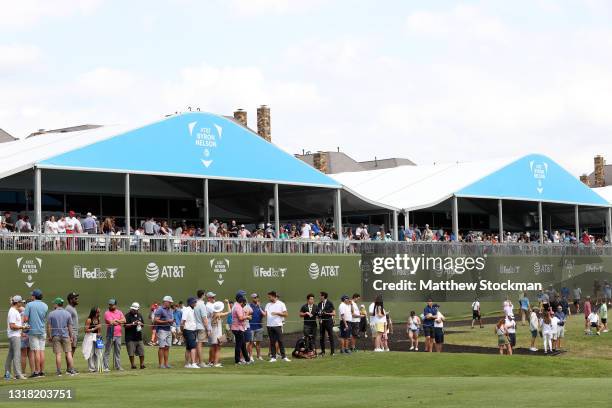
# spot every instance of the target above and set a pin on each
(154, 272)
(315, 271)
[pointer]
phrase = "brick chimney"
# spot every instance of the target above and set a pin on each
(264, 128)
(599, 178)
(319, 161)
(585, 179)
(241, 117)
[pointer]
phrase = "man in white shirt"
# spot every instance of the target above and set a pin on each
(14, 326)
(212, 228)
(71, 226)
(346, 316)
(188, 327)
(305, 231)
(275, 313)
(355, 321)
(476, 313)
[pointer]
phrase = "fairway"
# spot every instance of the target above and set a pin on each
(394, 379)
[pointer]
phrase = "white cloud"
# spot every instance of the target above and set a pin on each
(275, 7)
(23, 14)
(15, 56)
(104, 81)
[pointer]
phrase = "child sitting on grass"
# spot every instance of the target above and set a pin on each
(594, 323)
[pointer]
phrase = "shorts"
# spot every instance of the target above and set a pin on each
(428, 331)
(439, 335)
(257, 335)
(61, 344)
(345, 331)
(201, 336)
(74, 340)
(501, 340)
(380, 327)
(512, 339)
(560, 332)
(604, 321)
(354, 326)
(190, 339)
(475, 314)
(135, 348)
(594, 325)
(37, 342)
(248, 335)
(415, 332)
(25, 342)
(164, 338)
(534, 334)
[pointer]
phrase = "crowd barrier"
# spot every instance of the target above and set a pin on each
(146, 244)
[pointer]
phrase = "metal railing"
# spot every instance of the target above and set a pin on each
(171, 244)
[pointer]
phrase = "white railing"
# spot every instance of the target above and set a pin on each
(133, 243)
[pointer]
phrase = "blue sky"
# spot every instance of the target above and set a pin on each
(433, 81)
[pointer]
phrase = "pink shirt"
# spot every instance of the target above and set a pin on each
(116, 315)
(587, 309)
(237, 314)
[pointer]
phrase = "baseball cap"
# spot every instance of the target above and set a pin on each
(168, 299)
(254, 295)
(241, 293)
(37, 292)
(58, 301)
(17, 299)
(89, 214)
(135, 306)
(112, 301)
(344, 297)
(191, 300)
(211, 294)
(72, 295)
(71, 213)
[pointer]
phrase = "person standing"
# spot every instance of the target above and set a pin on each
(256, 326)
(326, 313)
(346, 316)
(92, 331)
(275, 312)
(201, 318)
(547, 331)
(534, 326)
(378, 322)
(188, 327)
(587, 312)
(134, 323)
(603, 315)
(163, 320)
(502, 337)
(59, 329)
(524, 307)
(439, 329)
(414, 324)
(511, 329)
(561, 319)
(73, 301)
(239, 320)
(355, 320)
(428, 325)
(14, 329)
(308, 312)
(35, 314)
(114, 319)
(476, 313)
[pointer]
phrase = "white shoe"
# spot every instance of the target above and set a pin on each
(533, 349)
(285, 359)
(260, 358)
(194, 365)
(378, 350)
(416, 349)
(411, 348)
(605, 331)
(273, 360)
(386, 349)
(187, 365)
(204, 365)
(218, 365)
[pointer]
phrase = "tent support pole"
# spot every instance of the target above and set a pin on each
(37, 200)
(501, 219)
(455, 218)
(206, 214)
(127, 203)
(540, 222)
(577, 222)
(338, 213)
(276, 213)
(395, 226)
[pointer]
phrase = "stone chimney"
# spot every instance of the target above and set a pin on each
(585, 179)
(241, 117)
(264, 128)
(320, 162)
(599, 178)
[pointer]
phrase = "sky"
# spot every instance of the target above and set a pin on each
(436, 81)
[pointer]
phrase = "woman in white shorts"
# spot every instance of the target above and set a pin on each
(215, 339)
(414, 326)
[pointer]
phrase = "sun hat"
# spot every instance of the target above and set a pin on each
(218, 307)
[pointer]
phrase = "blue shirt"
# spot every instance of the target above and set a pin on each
(257, 316)
(163, 314)
(524, 302)
(561, 317)
(429, 310)
(89, 223)
(36, 312)
(178, 315)
(59, 320)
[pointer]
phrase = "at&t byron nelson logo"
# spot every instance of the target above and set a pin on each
(539, 172)
(316, 271)
(30, 267)
(153, 272)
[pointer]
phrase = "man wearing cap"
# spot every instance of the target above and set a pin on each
(59, 329)
(188, 327)
(133, 335)
(346, 315)
(71, 228)
(14, 327)
(89, 224)
(35, 314)
(114, 319)
(255, 326)
(201, 319)
(73, 301)
(163, 320)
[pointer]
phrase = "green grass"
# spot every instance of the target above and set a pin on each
(579, 377)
